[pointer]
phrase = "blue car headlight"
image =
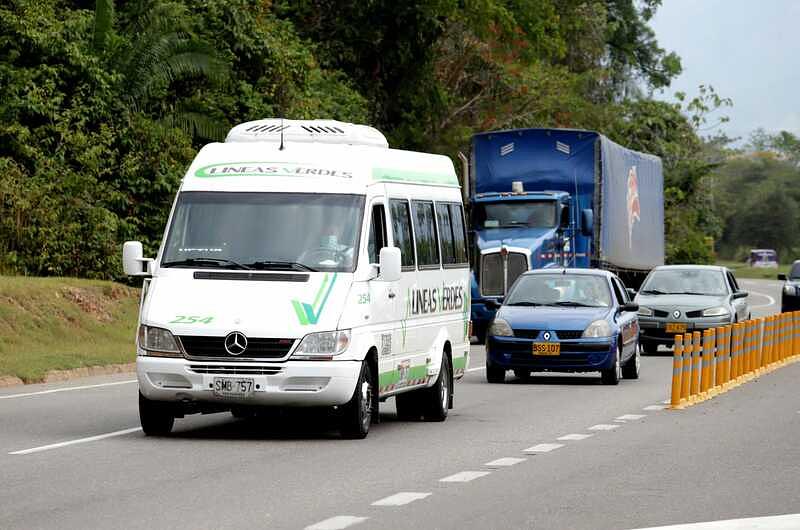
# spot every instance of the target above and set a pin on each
(500, 328)
(597, 329)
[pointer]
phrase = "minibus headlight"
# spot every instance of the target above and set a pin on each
(500, 328)
(318, 346)
(597, 329)
(158, 342)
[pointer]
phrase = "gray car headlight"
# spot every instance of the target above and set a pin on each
(716, 312)
(789, 289)
(597, 329)
(323, 345)
(644, 311)
(158, 342)
(500, 328)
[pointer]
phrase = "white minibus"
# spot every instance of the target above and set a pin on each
(305, 263)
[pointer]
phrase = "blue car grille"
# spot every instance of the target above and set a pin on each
(569, 334)
(534, 334)
(526, 333)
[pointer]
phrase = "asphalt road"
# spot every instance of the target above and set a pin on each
(732, 457)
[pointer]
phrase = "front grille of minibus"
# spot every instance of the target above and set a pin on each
(257, 348)
(492, 271)
(233, 369)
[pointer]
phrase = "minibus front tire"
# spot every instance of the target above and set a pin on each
(436, 399)
(358, 412)
(157, 418)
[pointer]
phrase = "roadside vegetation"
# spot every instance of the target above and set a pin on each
(742, 270)
(103, 104)
(63, 323)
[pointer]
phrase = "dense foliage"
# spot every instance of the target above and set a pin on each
(103, 104)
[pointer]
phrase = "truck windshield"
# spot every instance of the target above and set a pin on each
(531, 214)
(269, 231)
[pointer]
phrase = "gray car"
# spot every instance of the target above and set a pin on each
(676, 299)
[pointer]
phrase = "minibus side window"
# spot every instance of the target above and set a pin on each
(446, 233)
(425, 232)
(403, 238)
(377, 233)
(459, 233)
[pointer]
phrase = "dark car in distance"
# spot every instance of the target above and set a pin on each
(790, 294)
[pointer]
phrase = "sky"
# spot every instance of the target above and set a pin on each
(748, 50)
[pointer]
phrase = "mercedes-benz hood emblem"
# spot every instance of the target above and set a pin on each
(235, 343)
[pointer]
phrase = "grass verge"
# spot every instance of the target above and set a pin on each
(741, 270)
(63, 323)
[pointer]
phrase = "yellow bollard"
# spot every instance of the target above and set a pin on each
(719, 359)
(705, 363)
(677, 370)
(736, 348)
(726, 361)
(759, 347)
(796, 320)
(687, 369)
(751, 350)
(782, 354)
(773, 342)
(696, 353)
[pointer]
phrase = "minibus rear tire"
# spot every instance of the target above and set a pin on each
(354, 424)
(156, 417)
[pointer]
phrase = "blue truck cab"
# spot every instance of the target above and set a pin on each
(542, 198)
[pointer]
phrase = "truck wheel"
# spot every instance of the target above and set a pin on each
(436, 399)
(357, 413)
(630, 370)
(156, 417)
(611, 376)
(495, 374)
(407, 405)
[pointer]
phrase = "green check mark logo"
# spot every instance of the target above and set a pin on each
(310, 313)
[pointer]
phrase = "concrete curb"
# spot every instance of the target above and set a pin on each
(54, 376)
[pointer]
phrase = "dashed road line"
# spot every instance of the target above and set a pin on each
(337, 523)
(67, 389)
(504, 462)
(74, 442)
(603, 427)
(401, 499)
(773, 522)
(575, 437)
(542, 448)
(465, 476)
(630, 417)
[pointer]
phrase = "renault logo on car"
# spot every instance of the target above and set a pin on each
(676, 314)
(546, 335)
(235, 343)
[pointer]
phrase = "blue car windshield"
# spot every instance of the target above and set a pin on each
(569, 290)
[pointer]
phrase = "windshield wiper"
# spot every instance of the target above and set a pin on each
(529, 304)
(696, 293)
(204, 261)
(281, 265)
(571, 303)
(654, 291)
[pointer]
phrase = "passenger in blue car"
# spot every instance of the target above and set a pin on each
(570, 320)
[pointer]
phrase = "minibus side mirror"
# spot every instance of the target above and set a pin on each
(133, 264)
(389, 262)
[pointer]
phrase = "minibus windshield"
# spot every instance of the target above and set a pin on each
(265, 231)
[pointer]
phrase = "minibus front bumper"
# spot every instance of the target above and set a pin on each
(290, 383)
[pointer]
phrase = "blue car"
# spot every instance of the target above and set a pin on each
(565, 320)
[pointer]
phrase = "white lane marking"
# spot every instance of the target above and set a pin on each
(465, 476)
(575, 437)
(771, 303)
(666, 402)
(401, 499)
(630, 417)
(654, 407)
(773, 522)
(67, 389)
(476, 369)
(542, 448)
(337, 523)
(504, 462)
(603, 427)
(73, 442)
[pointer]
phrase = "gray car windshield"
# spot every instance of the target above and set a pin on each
(685, 281)
(576, 290)
(531, 214)
(270, 231)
